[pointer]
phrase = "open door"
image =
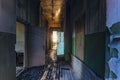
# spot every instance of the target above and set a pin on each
(36, 46)
(58, 42)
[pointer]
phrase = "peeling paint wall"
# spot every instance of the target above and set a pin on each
(112, 22)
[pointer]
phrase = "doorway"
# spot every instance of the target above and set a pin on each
(20, 44)
(58, 42)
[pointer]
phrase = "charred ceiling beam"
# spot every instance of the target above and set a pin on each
(53, 11)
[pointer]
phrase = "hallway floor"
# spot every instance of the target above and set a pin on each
(47, 72)
(54, 70)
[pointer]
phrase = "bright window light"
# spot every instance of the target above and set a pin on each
(55, 36)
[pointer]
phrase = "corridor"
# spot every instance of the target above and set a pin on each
(59, 39)
(52, 71)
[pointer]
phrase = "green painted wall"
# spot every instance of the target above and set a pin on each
(95, 52)
(7, 56)
(107, 56)
(73, 46)
(67, 48)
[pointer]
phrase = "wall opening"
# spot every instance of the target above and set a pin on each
(20, 44)
(58, 42)
(54, 39)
